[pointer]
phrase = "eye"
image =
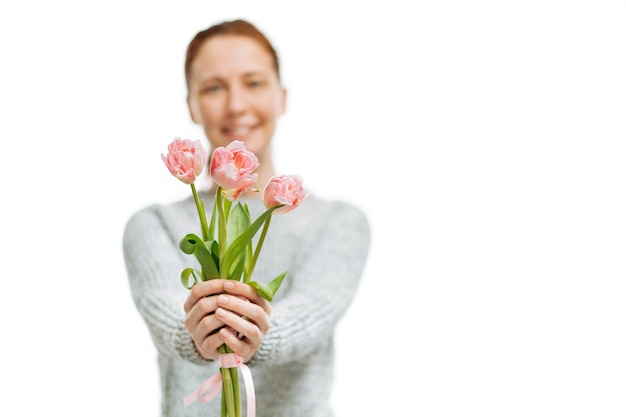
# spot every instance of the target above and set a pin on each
(212, 88)
(255, 83)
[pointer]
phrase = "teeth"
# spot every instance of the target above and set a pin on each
(240, 130)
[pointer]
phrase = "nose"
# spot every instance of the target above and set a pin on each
(236, 102)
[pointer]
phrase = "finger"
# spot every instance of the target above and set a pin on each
(243, 346)
(244, 290)
(243, 308)
(203, 328)
(201, 290)
(206, 339)
(208, 347)
(237, 342)
(202, 308)
(241, 326)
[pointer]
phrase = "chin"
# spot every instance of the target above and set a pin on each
(255, 144)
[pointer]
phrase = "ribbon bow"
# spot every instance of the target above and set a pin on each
(209, 388)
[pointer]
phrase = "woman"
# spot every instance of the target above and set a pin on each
(235, 93)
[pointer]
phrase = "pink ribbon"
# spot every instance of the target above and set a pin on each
(209, 388)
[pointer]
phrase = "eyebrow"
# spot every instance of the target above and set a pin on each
(253, 73)
(216, 78)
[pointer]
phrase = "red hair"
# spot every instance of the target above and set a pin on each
(237, 27)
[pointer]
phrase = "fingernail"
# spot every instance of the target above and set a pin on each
(222, 299)
(220, 312)
(229, 285)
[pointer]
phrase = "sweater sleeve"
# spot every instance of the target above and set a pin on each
(153, 262)
(324, 280)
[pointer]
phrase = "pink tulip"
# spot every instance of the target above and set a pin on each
(232, 168)
(284, 189)
(185, 159)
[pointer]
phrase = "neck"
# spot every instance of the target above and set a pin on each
(265, 171)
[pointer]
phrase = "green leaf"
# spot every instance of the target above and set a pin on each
(268, 291)
(275, 284)
(184, 277)
(188, 243)
(263, 290)
(238, 245)
(238, 222)
(226, 204)
(215, 253)
(204, 253)
(208, 262)
(237, 269)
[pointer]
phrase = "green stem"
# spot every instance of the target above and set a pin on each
(201, 213)
(212, 223)
(233, 408)
(257, 251)
(234, 372)
(221, 232)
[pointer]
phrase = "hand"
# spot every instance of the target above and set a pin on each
(222, 311)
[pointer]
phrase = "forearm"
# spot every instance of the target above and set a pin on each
(321, 288)
(153, 263)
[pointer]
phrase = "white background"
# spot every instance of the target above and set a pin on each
(484, 139)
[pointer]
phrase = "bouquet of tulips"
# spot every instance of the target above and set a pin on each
(225, 249)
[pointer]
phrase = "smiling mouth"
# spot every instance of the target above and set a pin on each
(240, 132)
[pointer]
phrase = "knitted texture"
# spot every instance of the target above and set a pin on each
(324, 246)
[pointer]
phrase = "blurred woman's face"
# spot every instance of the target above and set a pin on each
(235, 93)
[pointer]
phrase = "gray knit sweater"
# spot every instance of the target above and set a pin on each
(323, 244)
